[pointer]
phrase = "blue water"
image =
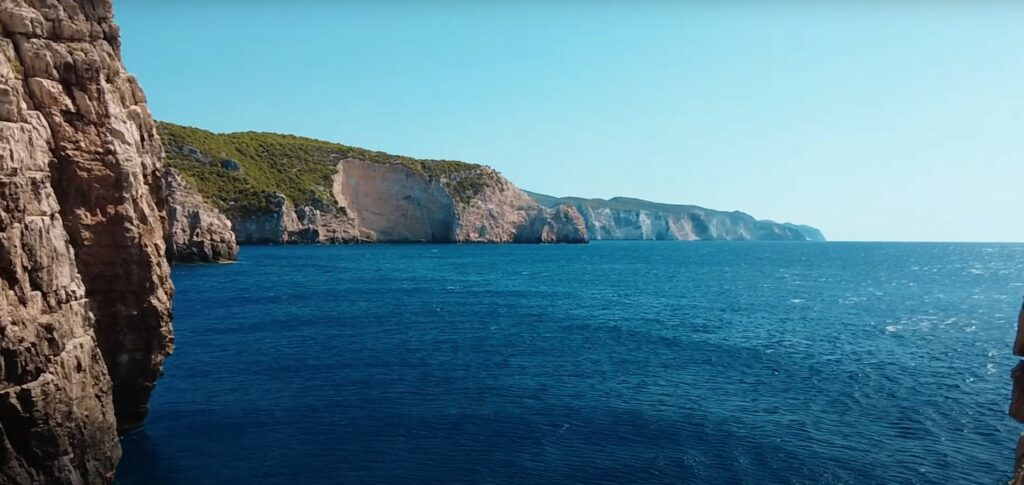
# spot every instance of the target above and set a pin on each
(615, 362)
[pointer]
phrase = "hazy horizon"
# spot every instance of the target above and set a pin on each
(882, 122)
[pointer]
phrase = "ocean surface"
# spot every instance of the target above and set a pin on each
(614, 362)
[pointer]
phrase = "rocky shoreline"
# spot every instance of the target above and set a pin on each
(359, 196)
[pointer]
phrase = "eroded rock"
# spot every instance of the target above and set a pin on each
(1017, 399)
(56, 412)
(84, 285)
(196, 232)
(397, 204)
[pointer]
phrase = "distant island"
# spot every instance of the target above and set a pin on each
(269, 188)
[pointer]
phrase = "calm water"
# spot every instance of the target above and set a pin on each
(617, 362)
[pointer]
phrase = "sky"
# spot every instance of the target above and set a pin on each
(880, 121)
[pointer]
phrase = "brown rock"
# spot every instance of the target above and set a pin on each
(1018, 474)
(56, 413)
(1018, 343)
(108, 183)
(84, 284)
(21, 20)
(196, 232)
(1017, 396)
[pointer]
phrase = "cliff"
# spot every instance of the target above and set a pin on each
(811, 233)
(287, 189)
(84, 285)
(1017, 398)
(195, 232)
(623, 218)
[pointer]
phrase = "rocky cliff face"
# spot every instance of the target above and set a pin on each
(811, 233)
(315, 223)
(391, 203)
(84, 284)
(280, 189)
(1017, 398)
(375, 202)
(624, 218)
(195, 232)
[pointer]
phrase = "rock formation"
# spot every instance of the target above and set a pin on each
(84, 284)
(280, 189)
(1017, 398)
(811, 233)
(315, 223)
(195, 232)
(623, 218)
(391, 203)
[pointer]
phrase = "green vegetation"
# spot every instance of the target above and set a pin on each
(300, 168)
(467, 187)
(14, 62)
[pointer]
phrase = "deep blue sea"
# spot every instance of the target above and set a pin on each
(614, 362)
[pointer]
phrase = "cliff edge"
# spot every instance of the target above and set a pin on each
(84, 285)
(283, 189)
(196, 232)
(624, 218)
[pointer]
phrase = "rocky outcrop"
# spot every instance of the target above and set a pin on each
(811, 233)
(392, 203)
(1017, 398)
(317, 223)
(56, 412)
(349, 195)
(196, 232)
(84, 284)
(376, 202)
(560, 224)
(380, 202)
(623, 218)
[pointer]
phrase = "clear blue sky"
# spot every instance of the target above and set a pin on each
(870, 121)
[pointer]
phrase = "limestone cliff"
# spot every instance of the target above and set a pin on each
(195, 232)
(284, 189)
(84, 284)
(317, 222)
(623, 218)
(392, 203)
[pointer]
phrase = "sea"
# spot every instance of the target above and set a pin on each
(613, 362)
